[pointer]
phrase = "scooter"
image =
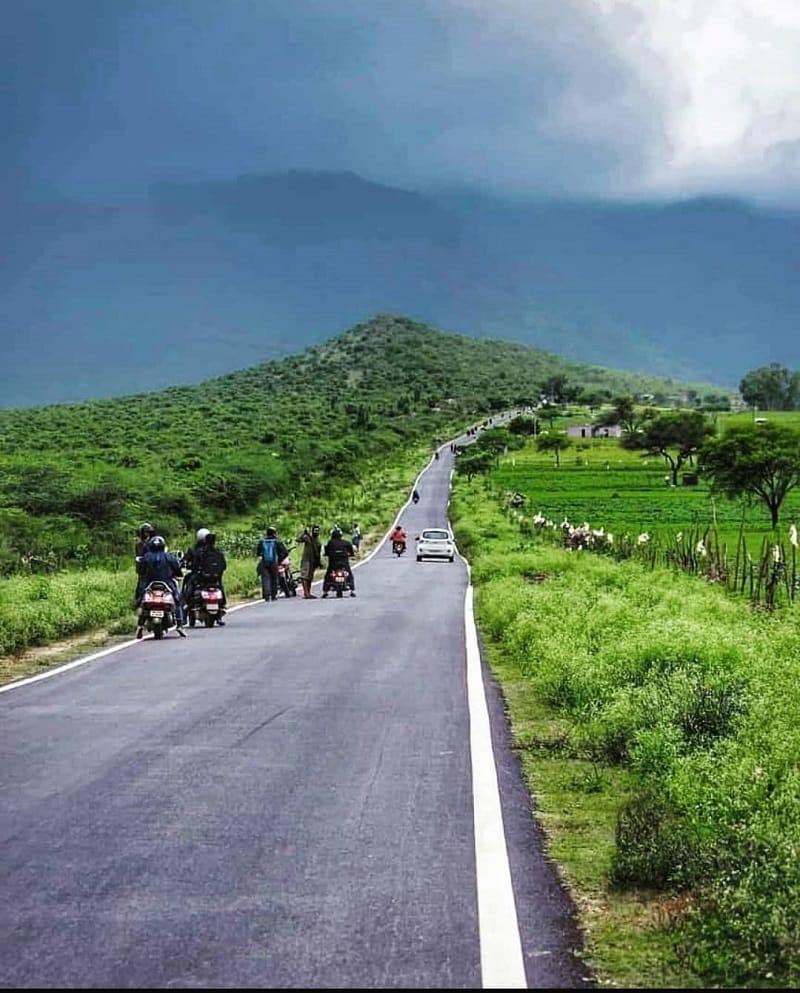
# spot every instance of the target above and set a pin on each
(156, 610)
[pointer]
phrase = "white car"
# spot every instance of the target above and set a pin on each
(436, 543)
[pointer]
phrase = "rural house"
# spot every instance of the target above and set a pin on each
(593, 431)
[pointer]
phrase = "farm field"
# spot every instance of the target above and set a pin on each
(600, 483)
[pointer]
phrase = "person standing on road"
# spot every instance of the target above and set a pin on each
(269, 552)
(355, 539)
(311, 559)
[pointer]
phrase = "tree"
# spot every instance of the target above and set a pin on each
(758, 461)
(555, 443)
(523, 425)
(623, 412)
(771, 387)
(556, 388)
(471, 464)
(677, 436)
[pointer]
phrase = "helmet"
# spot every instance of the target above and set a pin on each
(315, 529)
(157, 544)
(202, 533)
(271, 532)
(145, 529)
(336, 532)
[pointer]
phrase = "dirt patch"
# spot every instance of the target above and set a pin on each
(41, 657)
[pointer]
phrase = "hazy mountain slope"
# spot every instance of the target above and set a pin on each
(198, 279)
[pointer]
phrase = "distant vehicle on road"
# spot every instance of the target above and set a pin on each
(436, 543)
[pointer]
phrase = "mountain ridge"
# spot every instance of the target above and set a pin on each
(197, 279)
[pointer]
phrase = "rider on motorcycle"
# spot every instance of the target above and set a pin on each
(398, 536)
(158, 564)
(190, 562)
(415, 496)
(143, 535)
(339, 552)
(207, 564)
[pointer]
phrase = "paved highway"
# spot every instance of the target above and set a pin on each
(319, 795)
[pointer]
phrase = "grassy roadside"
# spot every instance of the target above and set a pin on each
(46, 621)
(576, 798)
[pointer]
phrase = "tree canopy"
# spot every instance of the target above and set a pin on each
(675, 435)
(771, 387)
(756, 461)
(554, 442)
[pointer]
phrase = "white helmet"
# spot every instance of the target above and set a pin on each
(201, 534)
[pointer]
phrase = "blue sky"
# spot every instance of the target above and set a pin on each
(602, 98)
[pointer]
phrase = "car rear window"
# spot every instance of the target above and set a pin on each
(435, 535)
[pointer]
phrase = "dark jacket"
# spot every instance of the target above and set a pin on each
(339, 552)
(158, 565)
(193, 556)
(210, 564)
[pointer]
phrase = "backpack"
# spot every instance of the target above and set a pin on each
(210, 564)
(269, 550)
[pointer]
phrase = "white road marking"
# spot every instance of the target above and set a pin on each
(502, 964)
(67, 665)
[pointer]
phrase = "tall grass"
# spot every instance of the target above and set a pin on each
(696, 697)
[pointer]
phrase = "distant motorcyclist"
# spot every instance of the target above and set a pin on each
(158, 564)
(398, 537)
(338, 551)
(415, 496)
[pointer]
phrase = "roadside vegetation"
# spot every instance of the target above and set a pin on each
(332, 435)
(655, 710)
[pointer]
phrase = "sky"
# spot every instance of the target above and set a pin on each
(601, 98)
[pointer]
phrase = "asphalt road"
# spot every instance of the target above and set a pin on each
(300, 799)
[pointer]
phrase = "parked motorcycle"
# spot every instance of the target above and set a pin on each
(156, 610)
(205, 605)
(286, 581)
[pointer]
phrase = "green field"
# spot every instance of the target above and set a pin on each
(600, 483)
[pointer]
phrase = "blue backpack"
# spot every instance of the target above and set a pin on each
(269, 550)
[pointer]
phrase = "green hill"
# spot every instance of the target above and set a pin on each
(78, 478)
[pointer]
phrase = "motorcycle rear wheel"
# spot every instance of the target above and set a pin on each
(158, 632)
(209, 621)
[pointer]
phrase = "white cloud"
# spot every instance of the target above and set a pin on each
(724, 76)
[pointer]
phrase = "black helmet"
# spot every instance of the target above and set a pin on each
(146, 529)
(157, 544)
(336, 532)
(271, 532)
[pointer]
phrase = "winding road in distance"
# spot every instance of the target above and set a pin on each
(320, 795)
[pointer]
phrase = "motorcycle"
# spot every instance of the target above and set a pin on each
(205, 605)
(156, 610)
(286, 581)
(339, 581)
(398, 547)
